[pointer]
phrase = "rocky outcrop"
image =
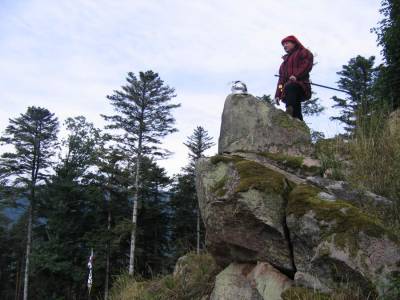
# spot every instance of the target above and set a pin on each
(260, 207)
(250, 281)
(335, 243)
(249, 124)
(243, 208)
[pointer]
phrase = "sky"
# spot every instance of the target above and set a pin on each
(68, 55)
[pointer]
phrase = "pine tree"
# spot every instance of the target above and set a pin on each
(34, 137)
(144, 115)
(184, 207)
(186, 226)
(197, 143)
(388, 32)
(357, 77)
(153, 245)
(113, 178)
(312, 107)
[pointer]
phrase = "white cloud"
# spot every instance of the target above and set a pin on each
(68, 55)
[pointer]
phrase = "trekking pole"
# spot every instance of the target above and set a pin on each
(323, 86)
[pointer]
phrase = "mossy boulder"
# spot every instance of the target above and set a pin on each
(336, 244)
(243, 208)
(249, 124)
(367, 201)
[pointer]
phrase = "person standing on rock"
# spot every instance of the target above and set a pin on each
(294, 78)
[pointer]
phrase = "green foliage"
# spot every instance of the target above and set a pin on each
(391, 289)
(34, 138)
(154, 219)
(357, 77)
(388, 32)
(143, 113)
(332, 154)
(316, 136)
(144, 116)
(312, 107)
(183, 201)
(266, 99)
(184, 206)
(197, 143)
(82, 146)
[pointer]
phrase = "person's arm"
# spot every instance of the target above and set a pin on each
(305, 65)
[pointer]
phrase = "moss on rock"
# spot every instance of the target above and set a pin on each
(252, 175)
(255, 176)
(224, 158)
(338, 220)
(282, 119)
(219, 187)
(301, 293)
(294, 162)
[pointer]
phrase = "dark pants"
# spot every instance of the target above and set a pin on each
(293, 95)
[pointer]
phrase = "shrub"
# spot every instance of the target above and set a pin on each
(193, 280)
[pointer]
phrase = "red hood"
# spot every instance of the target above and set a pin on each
(293, 39)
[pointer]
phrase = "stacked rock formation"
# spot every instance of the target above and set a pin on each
(277, 227)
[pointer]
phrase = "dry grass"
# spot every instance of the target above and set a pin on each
(375, 154)
(375, 159)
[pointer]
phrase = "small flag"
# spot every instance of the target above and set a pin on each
(90, 266)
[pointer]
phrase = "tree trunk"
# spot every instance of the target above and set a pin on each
(198, 230)
(18, 280)
(27, 253)
(134, 212)
(108, 257)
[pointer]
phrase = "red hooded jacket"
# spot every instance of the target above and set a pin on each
(299, 63)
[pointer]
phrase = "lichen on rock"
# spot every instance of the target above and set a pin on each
(260, 206)
(243, 208)
(340, 248)
(252, 125)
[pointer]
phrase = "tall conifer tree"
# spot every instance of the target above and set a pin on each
(34, 138)
(143, 113)
(357, 77)
(388, 32)
(197, 143)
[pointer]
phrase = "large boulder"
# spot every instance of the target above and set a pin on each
(255, 212)
(249, 124)
(243, 208)
(264, 204)
(250, 281)
(336, 244)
